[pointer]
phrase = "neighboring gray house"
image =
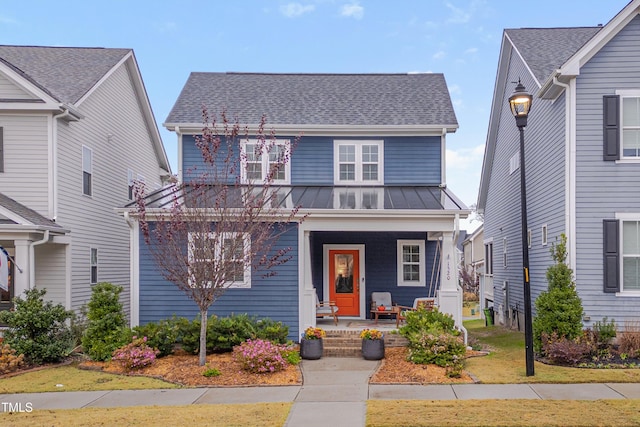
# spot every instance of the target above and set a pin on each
(582, 154)
(76, 129)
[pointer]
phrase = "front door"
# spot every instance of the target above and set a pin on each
(344, 274)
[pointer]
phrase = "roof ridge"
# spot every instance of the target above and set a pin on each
(257, 73)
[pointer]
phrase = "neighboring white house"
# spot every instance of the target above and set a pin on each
(76, 129)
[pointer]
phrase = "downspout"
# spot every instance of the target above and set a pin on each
(54, 163)
(32, 258)
(570, 173)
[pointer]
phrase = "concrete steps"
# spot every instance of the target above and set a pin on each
(348, 343)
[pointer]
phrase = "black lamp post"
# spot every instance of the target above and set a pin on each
(520, 103)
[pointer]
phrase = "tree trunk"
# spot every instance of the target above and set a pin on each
(203, 336)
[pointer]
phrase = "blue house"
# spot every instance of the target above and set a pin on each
(369, 170)
(582, 155)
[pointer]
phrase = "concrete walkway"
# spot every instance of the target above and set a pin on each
(334, 394)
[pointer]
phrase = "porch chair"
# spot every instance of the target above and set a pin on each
(426, 303)
(326, 308)
(383, 299)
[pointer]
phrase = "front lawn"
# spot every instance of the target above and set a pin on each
(506, 362)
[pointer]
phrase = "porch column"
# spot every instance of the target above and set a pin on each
(307, 301)
(450, 295)
(23, 260)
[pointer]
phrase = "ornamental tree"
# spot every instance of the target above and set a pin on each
(220, 225)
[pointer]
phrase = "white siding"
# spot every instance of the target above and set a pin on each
(114, 129)
(9, 90)
(26, 160)
(51, 271)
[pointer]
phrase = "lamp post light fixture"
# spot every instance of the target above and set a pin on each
(520, 103)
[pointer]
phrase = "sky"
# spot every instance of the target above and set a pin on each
(170, 39)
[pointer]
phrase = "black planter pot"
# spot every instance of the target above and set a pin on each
(373, 349)
(311, 349)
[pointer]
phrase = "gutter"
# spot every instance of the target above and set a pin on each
(32, 259)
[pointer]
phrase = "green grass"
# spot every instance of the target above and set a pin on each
(506, 362)
(73, 379)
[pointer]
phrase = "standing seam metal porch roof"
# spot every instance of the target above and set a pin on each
(318, 99)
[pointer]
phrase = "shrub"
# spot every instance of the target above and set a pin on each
(188, 334)
(559, 309)
(269, 329)
(604, 332)
(563, 351)
(629, 339)
(211, 372)
(106, 330)
(135, 355)
(38, 329)
(433, 338)
(260, 356)
(291, 354)
(9, 360)
(161, 335)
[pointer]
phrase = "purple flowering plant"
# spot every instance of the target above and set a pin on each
(261, 356)
(135, 355)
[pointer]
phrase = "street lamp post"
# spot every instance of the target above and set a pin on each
(520, 103)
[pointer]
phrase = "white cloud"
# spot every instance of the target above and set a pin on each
(353, 10)
(471, 51)
(465, 158)
(455, 89)
(292, 10)
(439, 55)
(458, 15)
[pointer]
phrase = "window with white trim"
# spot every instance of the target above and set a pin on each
(630, 256)
(544, 235)
(358, 198)
(93, 277)
(630, 127)
(261, 157)
(411, 263)
(529, 238)
(87, 171)
(488, 258)
(130, 184)
(358, 162)
(228, 253)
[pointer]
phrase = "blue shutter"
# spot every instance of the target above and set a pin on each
(611, 248)
(611, 126)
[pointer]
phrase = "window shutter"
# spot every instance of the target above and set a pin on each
(611, 255)
(611, 126)
(1, 149)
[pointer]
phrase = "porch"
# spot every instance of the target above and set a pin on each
(343, 340)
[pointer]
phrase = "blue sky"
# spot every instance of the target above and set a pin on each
(460, 38)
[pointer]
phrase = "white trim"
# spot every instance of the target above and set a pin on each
(246, 272)
(180, 155)
(90, 171)
(103, 78)
(623, 217)
(443, 157)
(633, 94)
(529, 238)
(266, 148)
(504, 253)
(358, 162)
(544, 234)
(422, 282)
(571, 172)
(32, 89)
(91, 265)
(134, 269)
(362, 284)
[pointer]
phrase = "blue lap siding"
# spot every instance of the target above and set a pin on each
(274, 297)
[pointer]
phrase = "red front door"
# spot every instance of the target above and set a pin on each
(344, 274)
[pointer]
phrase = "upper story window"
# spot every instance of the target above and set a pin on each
(229, 254)
(631, 126)
(260, 158)
(358, 162)
(358, 198)
(544, 233)
(411, 263)
(87, 171)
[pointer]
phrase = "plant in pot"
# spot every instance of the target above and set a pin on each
(311, 346)
(372, 344)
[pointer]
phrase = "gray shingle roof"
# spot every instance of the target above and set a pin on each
(317, 99)
(546, 49)
(28, 214)
(65, 73)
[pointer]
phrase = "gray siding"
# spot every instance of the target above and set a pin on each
(114, 129)
(51, 271)
(545, 164)
(603, 187)
(26, 160)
